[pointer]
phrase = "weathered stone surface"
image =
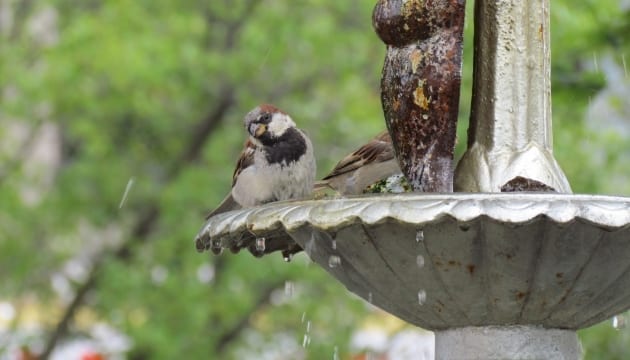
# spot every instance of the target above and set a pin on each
(420, 85)
(507, 342)
(510, 132)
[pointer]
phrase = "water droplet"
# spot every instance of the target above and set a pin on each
(623, 62)
(334, 244)
(334, 261)
(336, 353)
(595, 62)
(288, 257)
(126, 193)
(307, 339)
(464, 227)
(370, 297)
(288, 289)
(419, 236)
(260, 244)
(215, 246)
(303, 316)
(420, 261)
(422, 297)
(619, 321)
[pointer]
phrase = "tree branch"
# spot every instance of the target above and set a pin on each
(204, 129)
(64, 323)
(20, 15)
(146, 221)
(235, 26)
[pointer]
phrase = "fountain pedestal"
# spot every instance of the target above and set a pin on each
(506, 342)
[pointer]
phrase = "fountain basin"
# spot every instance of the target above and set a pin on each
(443, 261)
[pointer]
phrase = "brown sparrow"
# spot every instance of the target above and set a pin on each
(372, 162)
(276, 164)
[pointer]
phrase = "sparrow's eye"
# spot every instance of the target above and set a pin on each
(264, 118)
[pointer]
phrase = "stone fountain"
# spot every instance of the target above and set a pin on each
(495, 275)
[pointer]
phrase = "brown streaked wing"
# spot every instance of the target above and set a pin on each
(245, 160)
(379, 149)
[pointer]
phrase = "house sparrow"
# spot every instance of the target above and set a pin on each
(276, 164)
(367, 165)
(353, 175)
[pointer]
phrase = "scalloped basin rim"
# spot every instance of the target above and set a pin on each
(517, 208)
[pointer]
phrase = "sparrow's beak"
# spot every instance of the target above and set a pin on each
(257, 130)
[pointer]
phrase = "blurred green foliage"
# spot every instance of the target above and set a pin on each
(131, 85)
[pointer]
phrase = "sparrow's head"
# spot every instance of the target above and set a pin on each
(267, 122)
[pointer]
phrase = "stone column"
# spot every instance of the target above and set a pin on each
(510, 126)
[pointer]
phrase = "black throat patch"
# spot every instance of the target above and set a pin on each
(287, 148)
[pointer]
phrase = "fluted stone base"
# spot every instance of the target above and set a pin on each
(507, 342)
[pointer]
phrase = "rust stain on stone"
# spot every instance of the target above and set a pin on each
(416, 59)
(471, 268)
(396, 105)
(420, 85)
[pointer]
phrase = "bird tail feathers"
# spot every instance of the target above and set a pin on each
(227, 204)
